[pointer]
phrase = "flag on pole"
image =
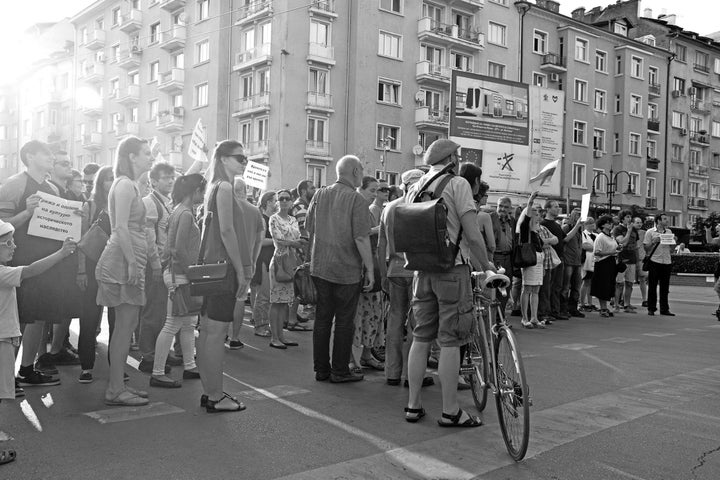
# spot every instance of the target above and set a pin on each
(545, 174)
(198, 141)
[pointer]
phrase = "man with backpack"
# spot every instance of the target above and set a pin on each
(442, 290)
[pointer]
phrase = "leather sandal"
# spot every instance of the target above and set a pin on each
(7, 456)
(412, 415)
(212, 405)
(134, 391)
(372, 363)
(471, 421)
(204, 399)
(126, 399)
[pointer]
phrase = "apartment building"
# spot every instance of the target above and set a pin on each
(8, 132)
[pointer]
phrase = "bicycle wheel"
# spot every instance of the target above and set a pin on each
(513, 395)
(477, 358)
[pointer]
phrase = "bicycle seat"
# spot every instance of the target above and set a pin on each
(492, 280)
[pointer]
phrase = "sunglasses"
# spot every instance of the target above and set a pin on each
(8, 243)
(63, 163)
(383, 190)
(284, 199)
(241, 158)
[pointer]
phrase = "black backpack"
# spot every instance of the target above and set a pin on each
(421, 231)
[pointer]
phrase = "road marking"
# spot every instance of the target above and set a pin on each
(575, 346)
(620, 340)
(619, 472)
(280, 391)
(715, 325)
(29, 413)
(658, 334)
(602, 362)
(47, 400)
(693, 330)
(114, 415)
(4, 437)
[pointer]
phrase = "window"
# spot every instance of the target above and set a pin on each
(578, 175)
(394, 6)
(581, 50)
(650, 187)
(115, 15)
(134, 78)
(618, 104)
(389, 91)
(245, 133)
(100, 23)
(652, 149)
(680, 53)
(497, 34)
(154, 71)
(461, 61)
(316, 173)
(695, 158)
(319, 33)
(114, 53)
(153, 109)
(500, 2)
(599, 180)
(679, 85)
(702, 61)
(434, 12)
(581, 91)
(434, 55)
(676, 153)
(201, 95)
(203, 10)
(134, 114)
(496, 70)
(261, 129)
(246, 86)
(579, 131)
(154, 33)
(599, 140)
(715, 160)
(539, 79)
(620, 28)
(636, 67)
(316, 130)
(715, 129)
(600, 100)
(263, 77)
(714, 191)
(678, 120)
(616, 142)
(387, 134)
(635, 139)
(114, 87)
(318, 80)
(653, 112)
(633, 180)
(540, 42)
(636, 105)
(601, 61)
(618, 65)
(653, 76)
(202, 51)
(390, 45)
(696, 124)
(432, 100)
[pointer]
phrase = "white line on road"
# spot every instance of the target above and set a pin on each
(602, 362)
(619, 472)
(29, 413)
(658, 334)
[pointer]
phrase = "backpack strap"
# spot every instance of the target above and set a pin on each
(425, 185)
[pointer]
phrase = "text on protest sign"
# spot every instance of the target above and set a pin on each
(56, 219)
(256, 175)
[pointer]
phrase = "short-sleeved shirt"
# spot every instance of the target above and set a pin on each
(396, 261)
(299, 211)
(10, 278)
(629, 252)
(337, 215)
(662, 252)
(572, 253)
(556, 230)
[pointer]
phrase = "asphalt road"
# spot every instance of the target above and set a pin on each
(630, 397)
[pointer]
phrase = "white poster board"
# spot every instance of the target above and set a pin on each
(56, 219)
(256, 175)
(667, 239)
(584, 207)
(198, 143)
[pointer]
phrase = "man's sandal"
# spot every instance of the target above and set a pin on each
(212, 405)
(455, 420)
(412, 415)
(7, 456)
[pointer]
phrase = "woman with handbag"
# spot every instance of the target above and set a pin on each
(286, 238)
(528, 225)
(223, 245)
(120, 271)
(95, 217)
(260, 285)
(605, 250)
(181, 251)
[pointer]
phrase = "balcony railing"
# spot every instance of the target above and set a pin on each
(94, 73)
(699, 106)
(261, 101)
(326, 7)
(653, 125)
(92, 141)
(249, 57)
(654, 89)
(425, 68)
(700, 138)
(172, 80)
(432, 116)
(319, 100)
(316, 147)
(553, 62)
(318, 51)
(171, 5)
(698, 170)
(174, 38)
(650, 202)
(131, 21)
(260, 147)
(129, 96)
(129, 58)
(695, 202)
(130, 128)
(653, 163)
(429, 26)
(701, 67)
(254, 9)
(96, 40)
(172, 121)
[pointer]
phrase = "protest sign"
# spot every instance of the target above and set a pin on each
(667, 239)
(56, 219)
(584, 207)
(256, 175)
(198, 143)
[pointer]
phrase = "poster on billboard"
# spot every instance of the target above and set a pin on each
(512, 130)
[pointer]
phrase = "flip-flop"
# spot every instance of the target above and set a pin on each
(7, 456)
(412, 415)
(294, 327)
(126, 399)
(471, 422)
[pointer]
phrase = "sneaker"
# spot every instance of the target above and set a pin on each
(234, 344)
(346, 378)
(36, 379)
(46, 365)
(577, 313)
(644, 304)
(19, 391)
(85, 377)
(146, 366)
(379, 353)
(560, 316)
(629, 310)
(174, 361)
(65, 357)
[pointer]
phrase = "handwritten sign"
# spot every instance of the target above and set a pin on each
(198, 143)
(256, 175)
(667, 239)
(55, 218)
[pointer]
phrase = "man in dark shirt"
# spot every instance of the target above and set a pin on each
(572, 264)
(551, 292)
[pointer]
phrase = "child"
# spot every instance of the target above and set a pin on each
(10, 278)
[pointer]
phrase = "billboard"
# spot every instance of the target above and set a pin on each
(512, 130)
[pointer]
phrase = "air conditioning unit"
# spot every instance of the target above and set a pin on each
(135, 49)
(179, 111)
(676, 93)
(683, 131)
(554, 77)
(597, 153)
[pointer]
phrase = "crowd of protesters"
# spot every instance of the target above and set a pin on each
(156, 222)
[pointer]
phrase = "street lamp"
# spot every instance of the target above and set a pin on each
(385, 142)
(612, 184)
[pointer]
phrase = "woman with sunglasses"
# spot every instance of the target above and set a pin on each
(286, 238)
(605, 250)
(224, 243)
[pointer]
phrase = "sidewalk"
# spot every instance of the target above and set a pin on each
(704, 295)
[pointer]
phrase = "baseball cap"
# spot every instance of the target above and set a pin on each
(6, 228)
(439, 150)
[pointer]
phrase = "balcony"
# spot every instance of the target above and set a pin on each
(130, 128)
(91, 141)
(700, 107)
(432, 117)
(319, 101)
(701, 67)
(698, 171)
(259, 149)
(171, 121)
(697, 203)
(96, 40)
(654, 89)
(653, 125)
(94, 110)
(429, 29)
(173, 39)
(171, 5)
(94, 73)
(255, 56)
(552, 62)
(321, 54)
(128, 59)
(129, 96)
(131, 21)
(700, 138)
(316, 148)
(424, 70)
(325, 8)
(255, 10)
(653, 163)
(172, 81)
(651, 203)
(471, 4)
(252, 104)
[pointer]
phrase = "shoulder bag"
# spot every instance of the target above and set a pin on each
(646, 260)
(284, 266)
(524, 254)
(304, 286)
(212, 279)
(93, 242)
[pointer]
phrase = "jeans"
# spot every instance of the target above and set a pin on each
(550, 294)
(173, 325)
(572, 279)
(261, 302)
(659, 273)
(396, 350)
(90, 317)
(338, 303)
(152, 315)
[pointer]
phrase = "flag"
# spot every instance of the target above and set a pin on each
(196, 149)
(545, 174)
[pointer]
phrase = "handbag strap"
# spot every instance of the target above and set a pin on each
(212, 206)
(652, 252)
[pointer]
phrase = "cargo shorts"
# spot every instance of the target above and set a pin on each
(442, 306)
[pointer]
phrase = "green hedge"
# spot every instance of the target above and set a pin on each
(695, 263)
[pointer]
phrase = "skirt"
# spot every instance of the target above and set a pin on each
(532, 276)
(112, 272)
(369, 325)
(602, 284)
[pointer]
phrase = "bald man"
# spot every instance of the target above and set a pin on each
(338, 222)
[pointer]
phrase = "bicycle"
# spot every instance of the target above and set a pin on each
(502, 370)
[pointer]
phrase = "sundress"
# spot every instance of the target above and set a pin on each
(282, 229)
